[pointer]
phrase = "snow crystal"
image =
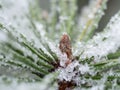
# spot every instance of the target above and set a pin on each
(15, 14)
(104, 43)
(86, 13)
(73, 71)
(84, 68)
(92, 12)
(68, 73)
(3, 37)
(14, 84)
(100, 87)
(40, 28)
(63, 58)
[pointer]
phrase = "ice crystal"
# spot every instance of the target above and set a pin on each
(30, 58)
(106, 42)
(19, 85)
(73, 72)
(68, 73)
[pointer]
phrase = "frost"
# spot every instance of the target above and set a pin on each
(86, 14)
(28, 52)
(73, 72)
(14, 16)
(84, 68)
(92, 11)
(100, 87)
(63, 58)
(13, 13)
(13, 83)
(68, 73)
(106, 42)
(3, 37)
(90, 17)
(40, 28)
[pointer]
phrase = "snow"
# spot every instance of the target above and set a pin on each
(84, 68)
(7, 83)
(100, 46)
(91, 14)
(105, 42)
(63, 59)
(100, 87)
(73, 72)
(3, 37)
(14, 14)
(86, 12)
(68, 73)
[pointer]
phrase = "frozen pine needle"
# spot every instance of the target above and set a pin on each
(34, 55)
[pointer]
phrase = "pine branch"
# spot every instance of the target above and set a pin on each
(31, 45)
(90, 22)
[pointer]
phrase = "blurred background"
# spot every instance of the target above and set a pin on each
(112, 8)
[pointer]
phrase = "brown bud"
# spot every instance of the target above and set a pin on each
(65, 47)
